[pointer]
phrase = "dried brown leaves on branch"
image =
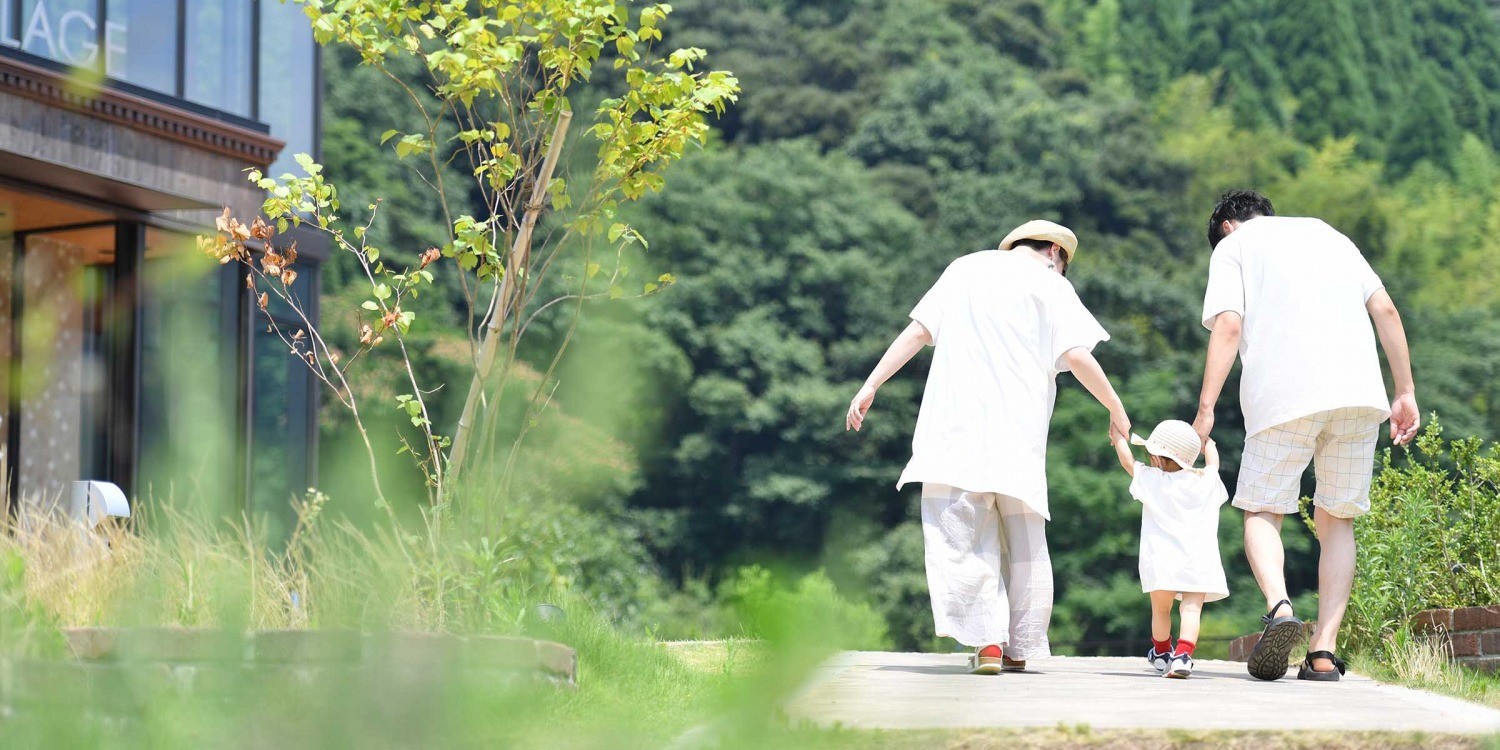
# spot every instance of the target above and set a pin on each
(269, 272)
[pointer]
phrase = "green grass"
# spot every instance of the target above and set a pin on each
(1421, 663)
(630, 693)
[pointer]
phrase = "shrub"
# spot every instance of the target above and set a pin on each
(1431, 539)
(810, 610)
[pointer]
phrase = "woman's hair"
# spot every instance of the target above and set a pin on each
(1032, 244)
(1040, 246)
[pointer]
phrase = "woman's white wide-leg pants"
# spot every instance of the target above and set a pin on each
(988, 570)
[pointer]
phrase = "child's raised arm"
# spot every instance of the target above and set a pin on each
(1122, 452)
(1210, 456)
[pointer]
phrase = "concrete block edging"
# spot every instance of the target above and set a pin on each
(172, 646)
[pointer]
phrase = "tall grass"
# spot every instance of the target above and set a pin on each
(179, 568)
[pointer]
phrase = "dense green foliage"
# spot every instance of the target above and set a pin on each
(1432, 538)
(877, 140)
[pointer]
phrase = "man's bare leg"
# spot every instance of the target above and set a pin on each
(1267, 556)
(1335, 579)
(1268, 660)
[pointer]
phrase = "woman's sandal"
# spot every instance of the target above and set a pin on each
(986, 660)
(1308, 673)
(1268, 660)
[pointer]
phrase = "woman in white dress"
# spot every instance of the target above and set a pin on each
(1003, 324)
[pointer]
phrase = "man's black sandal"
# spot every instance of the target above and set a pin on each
(1268, 660)
(1308, 673)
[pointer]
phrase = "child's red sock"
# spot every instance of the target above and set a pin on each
(1184, 648)
(1162, 647)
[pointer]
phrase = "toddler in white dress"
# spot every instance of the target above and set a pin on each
(1179, 536)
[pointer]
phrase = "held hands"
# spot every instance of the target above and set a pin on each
(1405, 419)
(1203, 425)
(1119, 425)
(858, 407)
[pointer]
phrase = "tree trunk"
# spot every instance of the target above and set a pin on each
(520, 256)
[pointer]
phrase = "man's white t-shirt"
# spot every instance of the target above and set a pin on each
(1307, 342)
(1000, 324)
(1180, 530)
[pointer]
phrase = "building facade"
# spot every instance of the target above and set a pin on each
(125, 128)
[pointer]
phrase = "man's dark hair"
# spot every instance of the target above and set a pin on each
(1236, 205)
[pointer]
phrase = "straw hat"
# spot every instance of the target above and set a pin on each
(1172, 439)
(1041, 229)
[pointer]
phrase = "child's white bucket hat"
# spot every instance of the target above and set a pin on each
(1174, 439)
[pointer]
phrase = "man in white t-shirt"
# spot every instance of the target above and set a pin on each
(1294, 299)
(1003, 323)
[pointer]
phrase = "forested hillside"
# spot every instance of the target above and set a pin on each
(876, 140)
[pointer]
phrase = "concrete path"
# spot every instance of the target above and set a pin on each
(870, 690)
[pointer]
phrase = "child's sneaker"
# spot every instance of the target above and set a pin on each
(1159, 660)
(987, 660)
(1181, 667)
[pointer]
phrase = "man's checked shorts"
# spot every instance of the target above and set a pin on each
(1341, 445)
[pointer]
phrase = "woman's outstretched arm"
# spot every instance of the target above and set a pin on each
(1084, 367)
(896, 356)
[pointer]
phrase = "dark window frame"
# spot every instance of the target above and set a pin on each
(111, 444)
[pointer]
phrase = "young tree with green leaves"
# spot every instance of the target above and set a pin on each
(497, 75)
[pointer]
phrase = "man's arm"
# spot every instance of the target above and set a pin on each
(1223, 348)
(1405, 416)
(906, 346)
(1122, 452)
(1084, 367)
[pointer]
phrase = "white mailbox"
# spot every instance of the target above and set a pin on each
(93, 501)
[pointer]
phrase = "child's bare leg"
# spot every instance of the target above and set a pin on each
(1190, 613)
(1161, 615)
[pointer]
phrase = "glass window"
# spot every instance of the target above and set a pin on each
(188, 384)
(63, 30)
(217, 60)
(281, 415)
(288, 76)
(140, 43)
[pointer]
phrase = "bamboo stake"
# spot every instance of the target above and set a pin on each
(520, 254)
